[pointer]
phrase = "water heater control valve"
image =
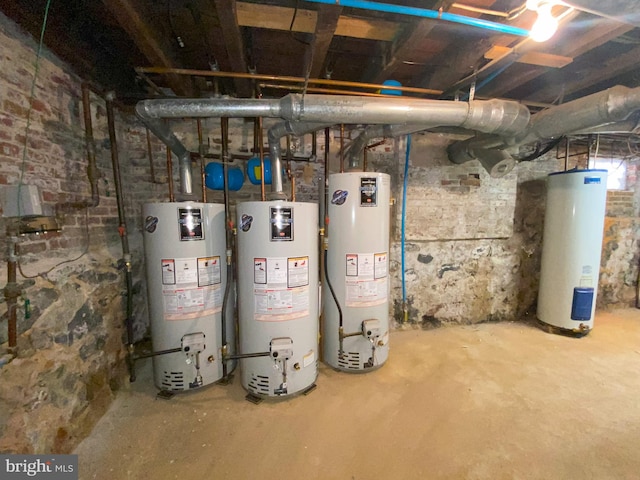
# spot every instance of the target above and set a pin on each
(281, 348)
(371, 328)
(193, 343)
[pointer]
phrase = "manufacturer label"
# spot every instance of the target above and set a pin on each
(339, 197)
(281, 224)
(150, 224)
(245, 222)
(590, 180)
(190, 222)
(368, 192)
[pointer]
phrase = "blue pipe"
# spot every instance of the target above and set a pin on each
(434, 14)
(405, 310)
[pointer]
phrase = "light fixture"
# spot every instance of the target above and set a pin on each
(546, 24)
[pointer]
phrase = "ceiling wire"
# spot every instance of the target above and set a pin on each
(30, 109)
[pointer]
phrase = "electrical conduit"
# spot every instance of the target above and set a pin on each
(405, 307)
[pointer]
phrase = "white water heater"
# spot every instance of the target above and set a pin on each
(185, 253)
(572, 245)
(278, 296)
(358, 269)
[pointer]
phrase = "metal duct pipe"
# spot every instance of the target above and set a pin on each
(609, 108)
(606, 107)
(489, 116)
(161, 130)
(274, 135)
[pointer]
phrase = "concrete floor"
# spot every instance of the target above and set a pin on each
(491, 401)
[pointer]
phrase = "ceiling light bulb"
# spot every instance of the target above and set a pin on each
(545, 25)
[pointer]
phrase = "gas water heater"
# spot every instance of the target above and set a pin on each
(278, 296)
(357, 267)
(185, 255)
(571, 248)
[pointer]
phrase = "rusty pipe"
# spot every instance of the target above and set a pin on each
(342, 148)
(150, 155)
(172, 197)
(284, 78)
(263, 195)
(201, 152)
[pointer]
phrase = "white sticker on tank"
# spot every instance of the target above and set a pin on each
(209, 272)
(380, 265)
(186, 271)
(298, 272)
(168, 271)
(308, 359)
(366, 279)
(276, 272)
(276, 305)
(189, 303)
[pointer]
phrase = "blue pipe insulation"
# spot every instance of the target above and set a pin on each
(434, 14)
(402, 235)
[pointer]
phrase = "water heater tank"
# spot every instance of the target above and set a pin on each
(185, 255)
(572, 244)
(358, 269)
(278, 296)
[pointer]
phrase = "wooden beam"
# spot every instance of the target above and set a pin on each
(326, 24)
(405, 49)
(279, 18)
(585, 76)
(592, 37)
(228, 16)
(531, 58)
(133, 16)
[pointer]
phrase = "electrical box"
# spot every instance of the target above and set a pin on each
(281, 348)
(371, 328)
(29, 197)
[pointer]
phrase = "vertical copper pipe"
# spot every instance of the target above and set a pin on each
(263, 195)
(201, 152)
(150, 155)
(293, 188)
(170, 175)
(342, 148)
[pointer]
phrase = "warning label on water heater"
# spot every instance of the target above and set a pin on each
(192, 287)
(281, 288)
(366, 279)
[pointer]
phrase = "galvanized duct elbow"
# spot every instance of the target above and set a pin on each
(274, 135)
(162, 131)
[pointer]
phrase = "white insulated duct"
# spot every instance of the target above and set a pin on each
(502, 117)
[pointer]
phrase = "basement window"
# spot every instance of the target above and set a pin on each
(617, 172)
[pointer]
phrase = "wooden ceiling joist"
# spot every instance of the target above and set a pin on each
(326, 24)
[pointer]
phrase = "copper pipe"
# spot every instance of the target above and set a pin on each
(293, 188)
(201, 151)
(284, 78)
(11, 294)
(170, 175)
(296, 88)
(150, 155)
(342, 148)
(263, 195)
